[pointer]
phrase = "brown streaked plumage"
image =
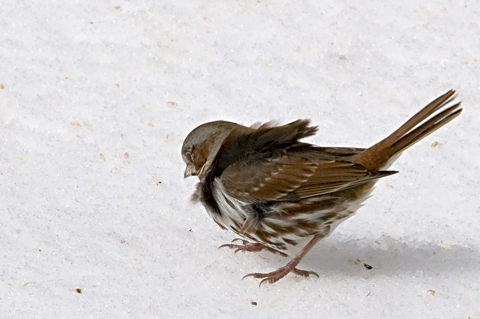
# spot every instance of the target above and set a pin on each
(283, 195)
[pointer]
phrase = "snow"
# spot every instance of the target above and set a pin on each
(97, 96)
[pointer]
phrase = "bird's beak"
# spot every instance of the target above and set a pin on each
(189, 171)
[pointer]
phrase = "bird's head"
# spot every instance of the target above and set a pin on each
(202, 145)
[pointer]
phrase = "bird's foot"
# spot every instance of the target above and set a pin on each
(251, 247)
(278, 274)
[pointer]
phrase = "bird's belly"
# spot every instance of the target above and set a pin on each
(285, 226)
(291, 235)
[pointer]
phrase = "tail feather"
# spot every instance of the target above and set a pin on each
(427, 128)
(433, 106)
(375, 157)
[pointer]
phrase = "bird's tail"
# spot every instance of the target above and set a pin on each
(416, 128)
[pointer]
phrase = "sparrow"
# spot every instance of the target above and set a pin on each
(283, 195)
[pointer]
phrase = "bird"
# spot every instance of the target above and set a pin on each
(282, 195)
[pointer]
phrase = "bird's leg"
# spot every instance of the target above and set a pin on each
(278, 274)
(252, 247)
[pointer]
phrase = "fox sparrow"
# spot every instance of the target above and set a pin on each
(283, 195)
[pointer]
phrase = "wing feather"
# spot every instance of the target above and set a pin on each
(293, 177)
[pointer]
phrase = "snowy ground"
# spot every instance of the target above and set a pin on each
(97, 96)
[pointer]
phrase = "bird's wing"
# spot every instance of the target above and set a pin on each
(293, 177)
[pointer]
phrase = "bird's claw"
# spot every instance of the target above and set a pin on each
(251, 247)
(278, 274)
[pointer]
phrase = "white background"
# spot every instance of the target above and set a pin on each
(97, 96)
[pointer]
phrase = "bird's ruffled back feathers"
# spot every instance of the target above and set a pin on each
(250, 143)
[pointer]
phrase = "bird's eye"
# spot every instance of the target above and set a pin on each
(189, 157)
